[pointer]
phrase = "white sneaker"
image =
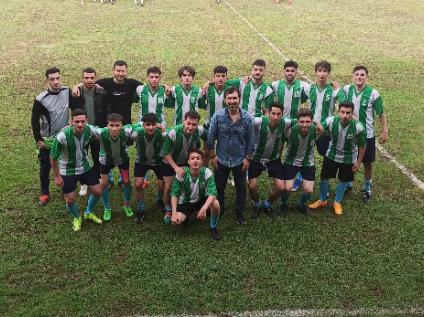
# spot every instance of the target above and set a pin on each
(83, 190)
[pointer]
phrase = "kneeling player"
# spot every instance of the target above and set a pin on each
(70, 165)
(148, 140)
(195, 191)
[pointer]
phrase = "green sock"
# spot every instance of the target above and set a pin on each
(304, 197)
(285, 198)
(73, 209)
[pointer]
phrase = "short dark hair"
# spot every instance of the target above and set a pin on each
(188, 69)
(360, 67)
(120, 62)
(150, 118)
(323, 64)
(230, 90)
(52, 70)
(78, 112)
(291, 63)
(276, 105)
(305, 112)
(220, 70)
(114, 117)
(192, 115)
(194, 150)
(259, 62)
(89, 70)
(154, 70)
(346, 104)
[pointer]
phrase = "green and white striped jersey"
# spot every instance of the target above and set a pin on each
(255, 98)
(322, 101)
(183, 101)
(214, 99)
(71, 151)
(345, 140)
(149, 151)
(290, 96)
(190, 189)
(269, 141)
(114, 151)
(177, 143)
(300, 150)
(151, 102)
(367, 102)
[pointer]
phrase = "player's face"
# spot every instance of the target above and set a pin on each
(345, 115)
(53, 81)
(290, 73)
(150, 127)
(120, 73)
(258, 72)
(153, 79)
(219, 79)
(114, 128)
(322, 74)
(232, 101)
(275, 115)
(304, 123)
(88, 80)
(195, 161)
(190, 125)
(186, 78)
(79, 123)
(360, 77)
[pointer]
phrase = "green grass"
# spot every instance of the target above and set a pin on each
(370, 257)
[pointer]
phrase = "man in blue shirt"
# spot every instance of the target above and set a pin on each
(232, 130)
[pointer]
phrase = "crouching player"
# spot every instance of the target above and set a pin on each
(70, 165)
(114, 152)
(148, 139)
(344, 154)
(195, 191)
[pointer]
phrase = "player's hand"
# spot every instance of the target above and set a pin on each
(356, 166)
(175, 219)
(245, 166)
(320, 129)
(76, 91)
(335, 85)
(384, 136)
(167, 89)
(214, 162)
(161, 127)
(58, 180)
(40, 145)
(201, 215)
(179, 171)
(245, 79)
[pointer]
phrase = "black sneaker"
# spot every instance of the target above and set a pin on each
(270, 213)
(366, 196)
(255, 213)
(240, 219)
(303, 209)
(139, 216)
(215, 234)
(284, 209)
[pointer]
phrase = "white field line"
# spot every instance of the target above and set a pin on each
(311, 313)
(414, 179)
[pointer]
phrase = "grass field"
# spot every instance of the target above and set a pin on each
(369, 258)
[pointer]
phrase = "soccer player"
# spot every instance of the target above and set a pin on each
(195, 191)
(179, 140)
(232, 130)
(49, 115)
(344, 156)
(269, 136)
(185, 96)
(149, 140)
(367, 102)
(70, 165)
(114, 152)
(95, 101)
(299, 158)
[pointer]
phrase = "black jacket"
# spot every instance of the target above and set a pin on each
(101, 105)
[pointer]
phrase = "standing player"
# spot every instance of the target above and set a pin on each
(269, 136)
(185, 96)
(70, 165)
(179, 140)
(344, 155)
(149, 140)
(49, 116)
(299, 158)
(367, 102)
(195, 191)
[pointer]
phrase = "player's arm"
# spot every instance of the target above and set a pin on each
(54, 156)
(210, 143)
(212, 193)
(379, 110)
(250, 138)
(267, 103)
(361, 149)
(37, 111)
(168, 146)
(175, 194)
